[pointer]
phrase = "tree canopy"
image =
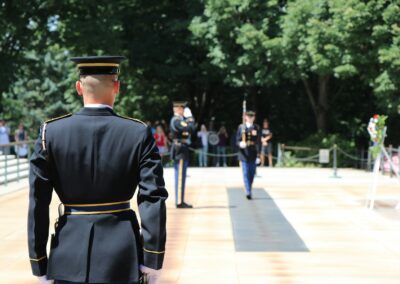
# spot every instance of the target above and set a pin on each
(309, 66)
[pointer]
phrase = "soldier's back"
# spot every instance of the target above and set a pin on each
(94, 157)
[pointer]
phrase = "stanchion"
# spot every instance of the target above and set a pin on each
(279, 161)
(369, 161)
(398, 160)
(335, 169)
(5, 167)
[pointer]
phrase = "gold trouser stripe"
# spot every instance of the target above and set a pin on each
(97, 212)
(98, 64)
(96, 204)
(38, 259)
(180, 180)
(152, 251)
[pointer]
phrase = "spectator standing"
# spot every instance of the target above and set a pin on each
(203, 135)
(21, 135)
(4, 137)
(266, 136)
(161, 141)
(221, 148)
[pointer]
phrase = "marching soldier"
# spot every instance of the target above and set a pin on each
(94, 160)
(181, 126)
(248, 139)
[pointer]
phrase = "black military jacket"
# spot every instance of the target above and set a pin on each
(95, 156)
(252, 136)
(181, 130)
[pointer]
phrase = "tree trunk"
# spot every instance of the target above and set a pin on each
(323, 104)
(320, 104)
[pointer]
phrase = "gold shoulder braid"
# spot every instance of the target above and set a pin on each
(45, 126)
(133, 119)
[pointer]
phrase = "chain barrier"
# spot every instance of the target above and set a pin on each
(351, 156)
(311, 158)
(213, 154)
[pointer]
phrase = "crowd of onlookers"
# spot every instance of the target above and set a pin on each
(210, 148)
(6, 137)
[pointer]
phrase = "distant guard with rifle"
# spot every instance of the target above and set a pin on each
(182, 126)
(248, 138)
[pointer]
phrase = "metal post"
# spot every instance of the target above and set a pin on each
(398, 160)
(5, 167)
(335, 170)
(279, 158)
(369, 161)
(17, 148)
(391, 159)
(29, 152)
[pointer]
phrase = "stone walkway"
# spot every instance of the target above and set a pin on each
(301, 227)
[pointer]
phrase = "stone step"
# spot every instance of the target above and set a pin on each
(9, 158)
(14, 169)
(13, 162)
(14, 176)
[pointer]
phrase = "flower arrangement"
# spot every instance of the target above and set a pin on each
(376, 130)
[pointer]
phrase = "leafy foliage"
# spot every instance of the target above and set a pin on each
(313, 66)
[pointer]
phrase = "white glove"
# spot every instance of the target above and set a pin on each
(153, 275)
(187, 112)
(242, 144)
(43, 280)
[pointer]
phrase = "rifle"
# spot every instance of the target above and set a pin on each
(243, 118)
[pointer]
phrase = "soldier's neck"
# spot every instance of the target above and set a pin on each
(93, 101)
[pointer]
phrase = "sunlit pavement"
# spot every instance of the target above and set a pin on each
(302, 226)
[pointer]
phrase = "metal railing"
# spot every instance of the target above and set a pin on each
(14, 161)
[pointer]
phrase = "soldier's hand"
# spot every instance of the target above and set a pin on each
(187, 112)
(43, 280)
(242, 144)
(153, 275)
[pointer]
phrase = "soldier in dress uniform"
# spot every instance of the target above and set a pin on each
(181, 126)
(248, 139)
(94, 160)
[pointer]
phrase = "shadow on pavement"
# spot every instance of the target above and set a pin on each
(259, 226)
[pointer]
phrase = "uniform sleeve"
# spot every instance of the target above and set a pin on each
(40, 191)
(191, 125)
(178, 125)
(151, 201)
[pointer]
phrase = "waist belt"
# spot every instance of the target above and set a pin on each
(98, 208)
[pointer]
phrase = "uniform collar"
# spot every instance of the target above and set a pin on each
(97, 106)
(102, 111)
(248, 125)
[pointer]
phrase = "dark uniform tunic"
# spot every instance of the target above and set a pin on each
(96, 158)
(247, 156)
(181, 130)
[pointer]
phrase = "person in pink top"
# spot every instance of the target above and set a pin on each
(161, 141)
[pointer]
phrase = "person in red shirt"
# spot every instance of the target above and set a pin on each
(161, 141)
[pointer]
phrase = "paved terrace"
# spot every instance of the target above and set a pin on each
(301, 227)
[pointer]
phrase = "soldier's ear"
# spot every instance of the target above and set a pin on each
(78, 87)
(117, 85)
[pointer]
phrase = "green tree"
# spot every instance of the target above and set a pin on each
(44, 89)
